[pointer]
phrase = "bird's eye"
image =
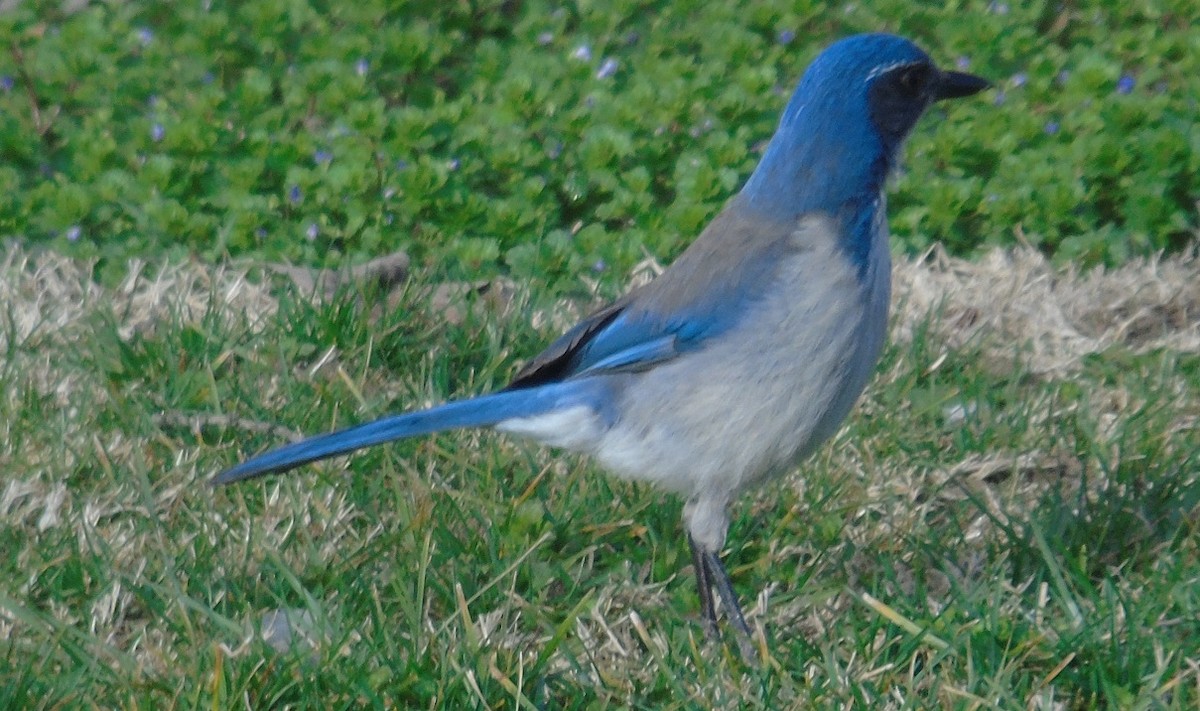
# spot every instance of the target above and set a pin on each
(911, 80)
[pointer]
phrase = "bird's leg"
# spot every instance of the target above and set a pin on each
(711, 573)
(733, 611)
(708, 607)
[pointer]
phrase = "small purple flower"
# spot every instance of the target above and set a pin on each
(1062, 77)
(73, 233)
(157, 132)
(599, 265)
(295, 195)
(145, 36)
(999, 98)
(998, 8)
(583, 53)
(322, 157)
(401, 164)
(1051, 128)
(361, 67)
(1020, 79)
(6, 83)
(152, 100)
(607, 68)
(785, 36)
(312, 231)
(261, 232)
(702, 128)
(1125, 84)
(545, 38)
(453, 164)
(207, 78)
(963, 62)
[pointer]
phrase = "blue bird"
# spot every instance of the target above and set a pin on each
(747, 353)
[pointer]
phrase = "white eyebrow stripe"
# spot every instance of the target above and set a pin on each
(885, 68)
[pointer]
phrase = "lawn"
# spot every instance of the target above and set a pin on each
(1007, 520)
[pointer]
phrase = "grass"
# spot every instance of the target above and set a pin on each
(1008, 520)
(996, 527)
(543, 139)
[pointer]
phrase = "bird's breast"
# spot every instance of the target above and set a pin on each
(767, 392)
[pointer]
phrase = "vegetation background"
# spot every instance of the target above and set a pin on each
(1009, 520)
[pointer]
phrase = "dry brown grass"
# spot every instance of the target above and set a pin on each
(1016, 299)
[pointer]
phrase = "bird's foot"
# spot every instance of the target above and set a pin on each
(710, 574)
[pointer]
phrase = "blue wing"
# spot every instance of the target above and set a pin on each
(704, 293)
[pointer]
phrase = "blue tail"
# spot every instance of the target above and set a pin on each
(482, 411)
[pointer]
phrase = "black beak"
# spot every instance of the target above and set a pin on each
(955, 85)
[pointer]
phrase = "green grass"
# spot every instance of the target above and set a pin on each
(979, 536)
(986, 532)
(485, 139)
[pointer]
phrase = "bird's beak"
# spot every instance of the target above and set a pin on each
(955, 85)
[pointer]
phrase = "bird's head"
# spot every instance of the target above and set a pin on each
(842, 130)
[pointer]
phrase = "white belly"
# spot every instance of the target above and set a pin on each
(766, 394)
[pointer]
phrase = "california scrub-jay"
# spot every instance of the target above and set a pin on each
(746, 354)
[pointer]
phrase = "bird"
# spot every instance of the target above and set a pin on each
(747, 353)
